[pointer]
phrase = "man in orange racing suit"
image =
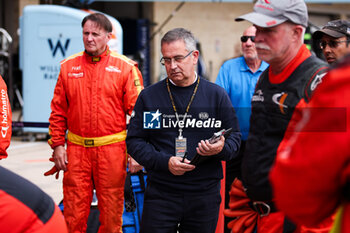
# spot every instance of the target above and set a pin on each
(94, 92)
(5, 120)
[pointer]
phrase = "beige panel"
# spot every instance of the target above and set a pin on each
(320, 14)
(23, 3)
(212, 24)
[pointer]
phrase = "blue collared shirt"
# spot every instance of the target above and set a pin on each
(239, 81)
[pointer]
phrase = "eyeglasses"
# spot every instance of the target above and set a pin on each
(331, 43)
(245, 38)
(177, 59)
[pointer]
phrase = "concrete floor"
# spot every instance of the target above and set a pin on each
(31, 160)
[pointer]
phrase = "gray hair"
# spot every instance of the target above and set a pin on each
(180, 34)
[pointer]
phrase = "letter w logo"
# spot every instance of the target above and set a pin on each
(58, 47)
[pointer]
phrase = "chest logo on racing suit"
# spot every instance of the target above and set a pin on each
(258, 96)
(317, 80)
(76, 75)
(113, 69)
(279, 99)
(151, 120)
(76, 68)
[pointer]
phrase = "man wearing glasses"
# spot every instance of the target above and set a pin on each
(170, 124)
(334, 39)
(238, 76)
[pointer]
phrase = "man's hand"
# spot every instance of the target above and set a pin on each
(206, 149)
(177, 167)
(60, 158)
(133, 165)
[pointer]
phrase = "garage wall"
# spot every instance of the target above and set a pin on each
(212, 24)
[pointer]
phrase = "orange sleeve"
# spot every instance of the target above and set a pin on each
(5, 119)
(312, 163)
(58, 117)
(132, 88)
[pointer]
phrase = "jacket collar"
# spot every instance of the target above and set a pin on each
(95, 59)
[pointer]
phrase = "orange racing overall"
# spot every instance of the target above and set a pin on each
(91, 99)
(5, 120)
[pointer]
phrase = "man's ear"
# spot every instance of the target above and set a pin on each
(109, 36)
(195, 55)
(298, 31)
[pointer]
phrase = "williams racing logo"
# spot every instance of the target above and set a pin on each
(157, 120)
(58, 47)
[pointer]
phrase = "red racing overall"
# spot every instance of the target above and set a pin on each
(91, 99)
(5, 119)
(312, 170)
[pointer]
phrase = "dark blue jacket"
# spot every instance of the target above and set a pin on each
(152, 132)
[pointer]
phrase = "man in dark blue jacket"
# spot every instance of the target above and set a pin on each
(170, 124)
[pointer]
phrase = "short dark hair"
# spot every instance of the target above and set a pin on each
(180, 34)
(100, 19)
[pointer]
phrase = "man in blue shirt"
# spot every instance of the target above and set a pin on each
(238, 76)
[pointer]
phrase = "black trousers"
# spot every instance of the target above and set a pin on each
(169, 212)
